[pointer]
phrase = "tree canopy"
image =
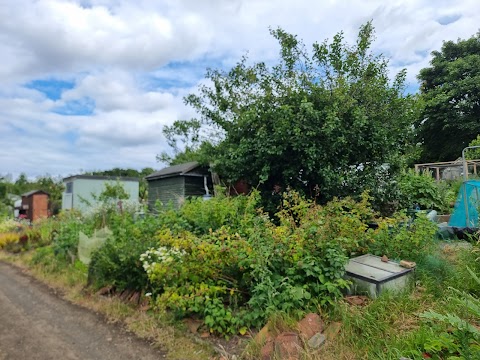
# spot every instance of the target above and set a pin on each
(322, 121)
(451, 92)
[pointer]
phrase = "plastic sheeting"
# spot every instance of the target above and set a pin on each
(87, 245)
(465, 213)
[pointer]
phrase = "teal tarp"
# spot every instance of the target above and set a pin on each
(465, 213)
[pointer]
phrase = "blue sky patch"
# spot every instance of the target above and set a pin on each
(52, 88)
(18, 131)
(83, 106)
(180, 74)
(71, 136)
(448, 19)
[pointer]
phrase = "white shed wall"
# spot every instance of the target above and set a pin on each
(84, 188)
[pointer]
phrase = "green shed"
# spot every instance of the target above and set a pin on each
(176, 183)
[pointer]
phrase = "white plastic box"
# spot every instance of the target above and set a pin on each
(370, 276)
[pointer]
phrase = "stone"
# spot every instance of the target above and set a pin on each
(332, 330)
(124, 295)
(267, 351)
(287, 346)
(263, 335)
(104, 291)
(407, 264)
(316, 340)
(144, 308)
(384, 258)
(309, 326)
(135, 298)
(356, 300)
(193, 325)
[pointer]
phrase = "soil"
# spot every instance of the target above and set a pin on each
(36, 324)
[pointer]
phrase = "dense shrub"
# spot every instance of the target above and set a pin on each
(236, 276)
(117, 263)
(66, 235)
(202, 216)
(400, 237)
(42, 232)
(422, 189)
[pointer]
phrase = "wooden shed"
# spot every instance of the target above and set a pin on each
(35, 205)
(176, 183)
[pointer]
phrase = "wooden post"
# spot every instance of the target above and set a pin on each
(416, 168)
(438, 174)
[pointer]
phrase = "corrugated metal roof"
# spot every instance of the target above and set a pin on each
(35, 192)
(99, 177)
(180, 169)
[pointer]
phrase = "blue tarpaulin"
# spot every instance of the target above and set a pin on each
(465, 213)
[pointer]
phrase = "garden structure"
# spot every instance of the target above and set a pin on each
(34, 205)
(176, 183)
(449, 170)
(82, 191)
(465, 214)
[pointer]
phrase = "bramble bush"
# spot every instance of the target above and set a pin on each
(234, 275)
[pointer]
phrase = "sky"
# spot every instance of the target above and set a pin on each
(89, 84)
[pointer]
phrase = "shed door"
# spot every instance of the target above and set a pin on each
(67, 201)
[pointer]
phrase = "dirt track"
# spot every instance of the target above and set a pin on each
(37, 324)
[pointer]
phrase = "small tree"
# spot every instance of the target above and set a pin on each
(113, 192)
(322, 121)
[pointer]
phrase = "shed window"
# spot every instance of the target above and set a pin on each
(69, 187)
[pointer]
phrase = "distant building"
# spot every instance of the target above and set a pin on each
(176, 183)
(34, 205)
(81, 190)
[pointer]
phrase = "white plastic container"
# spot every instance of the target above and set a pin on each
(370, 275)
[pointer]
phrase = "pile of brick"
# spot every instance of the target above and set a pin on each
(309, 335)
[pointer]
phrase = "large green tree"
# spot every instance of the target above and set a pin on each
(187, 143)
(324, 121)
(450, 88)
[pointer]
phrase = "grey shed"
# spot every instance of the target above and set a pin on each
(176, 183)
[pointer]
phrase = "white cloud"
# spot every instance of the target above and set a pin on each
(132, 62)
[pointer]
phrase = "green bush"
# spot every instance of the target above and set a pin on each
(423, 190)
(65, 239)
(203, 216)
(236, 276)
(400, 238)
(117, 263)
(42, 232)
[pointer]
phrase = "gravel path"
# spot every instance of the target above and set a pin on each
(37, 324)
